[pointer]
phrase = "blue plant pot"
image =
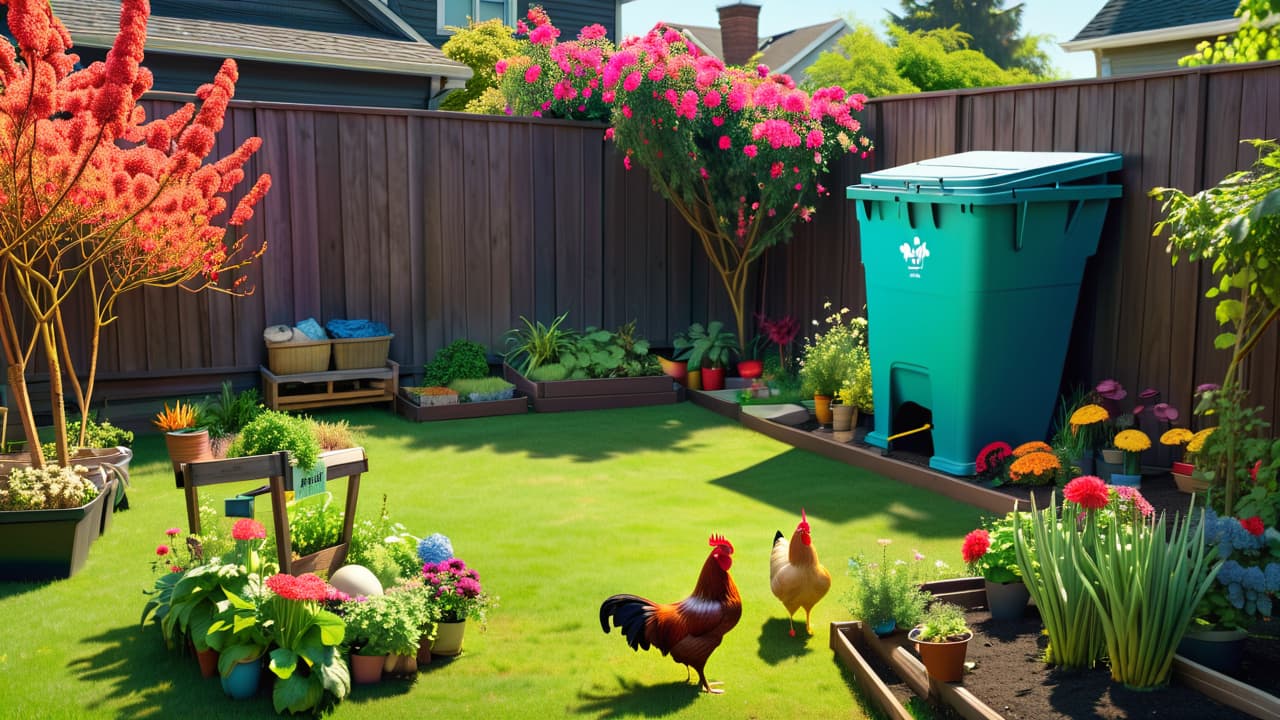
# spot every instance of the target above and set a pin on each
(885, 628)
(1133, 481)
(242, 682)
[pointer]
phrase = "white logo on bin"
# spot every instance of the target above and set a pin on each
(914, 253)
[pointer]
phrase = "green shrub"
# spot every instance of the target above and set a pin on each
(386, 624)
(333, 435)
(460, 359)
(482, 389)
(99, 435)
(385, 547)
(230, 411)
(885, 590)
(274, 431)
(50, 488)
(314, 525)
(549, 373)
(943, 622)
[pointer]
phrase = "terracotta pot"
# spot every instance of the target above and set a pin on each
(842, 417)
(677, 369)
(944, 661)
(367, 669)
(713, 378)
(448, 638)
(750, 369)
(822, 409)
(185, 447)
(208, 660)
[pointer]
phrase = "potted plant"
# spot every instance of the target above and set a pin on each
(707, 350)
(184, 441)
(457, 596)
(226, 414)
(193, 604)
(379, 627)
(1183, 468)
(780, 332)
(1132, 442)
(306, 662)
(885, 595)
(989, 552)
(942, 639)
(241, 639)
(830, 358)
(459, 360)
(48, 519)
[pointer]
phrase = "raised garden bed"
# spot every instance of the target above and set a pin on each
(1009, 679)
(599, 394)
(408, 408)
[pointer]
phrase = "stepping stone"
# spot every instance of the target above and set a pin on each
(786, 414)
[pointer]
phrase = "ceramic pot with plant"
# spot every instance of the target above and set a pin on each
(457, 596)
(989, 552)
(942, 639)
(1132, 442)
(241, 639)
(184, 441)
(1183, 469)
(886, 594)
(707, 349)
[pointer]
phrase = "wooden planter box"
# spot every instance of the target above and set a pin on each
(601, 394)
(405, 405)
(852, 641)
(51, 544)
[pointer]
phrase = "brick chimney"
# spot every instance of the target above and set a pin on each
(739, 32)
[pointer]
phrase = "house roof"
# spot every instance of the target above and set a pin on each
(780, 52)
(94, 23)
(1138, 22)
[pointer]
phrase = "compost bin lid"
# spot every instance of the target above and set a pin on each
(988, 171)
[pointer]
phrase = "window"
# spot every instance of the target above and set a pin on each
(455, 12)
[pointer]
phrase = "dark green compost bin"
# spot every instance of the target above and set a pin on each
(973, 265)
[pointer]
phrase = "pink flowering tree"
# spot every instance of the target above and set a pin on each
(556, 79)
(97, 200)
(738, 152)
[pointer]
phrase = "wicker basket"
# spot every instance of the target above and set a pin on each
(293, 358)
(360, 353)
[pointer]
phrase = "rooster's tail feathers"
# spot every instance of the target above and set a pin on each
(630, 613)
(777, 535)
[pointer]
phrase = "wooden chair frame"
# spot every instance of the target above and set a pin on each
(274, 468)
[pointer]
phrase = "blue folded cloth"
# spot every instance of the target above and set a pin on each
(339, 328)
(311, 329)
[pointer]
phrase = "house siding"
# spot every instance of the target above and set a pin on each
(322, 15)
(1147, 58)
(568, 15)
(800, 70)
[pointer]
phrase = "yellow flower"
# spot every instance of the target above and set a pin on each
(1036, 468)
(1088, 415)
(1176, 436)
(1132, 440)
(1031, 447)
(1196, 444)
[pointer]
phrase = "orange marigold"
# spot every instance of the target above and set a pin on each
(1036, 468)
(1088, 415)
(1031, 447)
(1176, 436)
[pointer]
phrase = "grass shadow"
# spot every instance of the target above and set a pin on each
(632, 699)
(15, 588)
(776, 644)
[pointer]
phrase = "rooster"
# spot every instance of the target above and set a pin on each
(796, 576)
(688, 630)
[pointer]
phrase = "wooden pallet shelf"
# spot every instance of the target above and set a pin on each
(330, 388)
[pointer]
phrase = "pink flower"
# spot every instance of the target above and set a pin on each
(544, 35)
(248, 529)
(631, 82)
(171, 532)
(717, 121)
(626, 162)
(592, 32)
(749, 150)
(725, 142)
(608, 134)
(711, 99)
(1088, 491)
(775, 170)
(815, 138)
(762, 70)
(500, 67)
(531, 74)
(799, 186)
(626, 111)
(162, 550)
(703, 172)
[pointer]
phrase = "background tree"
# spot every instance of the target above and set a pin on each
(1251, 43)
(993, 29)
(479, 46)
(96, 200)
(914, 62)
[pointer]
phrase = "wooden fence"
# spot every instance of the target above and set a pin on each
(446, 226)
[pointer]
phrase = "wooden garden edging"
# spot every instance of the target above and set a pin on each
(597, 394)
(517, 405)
(349, 464)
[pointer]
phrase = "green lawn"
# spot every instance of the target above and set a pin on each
(557, 512)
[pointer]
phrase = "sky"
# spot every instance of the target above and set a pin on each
(1060, 19)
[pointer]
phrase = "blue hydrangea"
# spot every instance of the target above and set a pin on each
(1253, 579)
(1272, 573)
(435, 548)
(1264, 605)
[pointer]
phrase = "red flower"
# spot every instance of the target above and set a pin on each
(1253, 525)
(1088, 491)
(162, 550)
(1253, 471)
(248, 529)
(304, 587)
(173, 531)
(175, 569)
(992, 456)
(975, 546)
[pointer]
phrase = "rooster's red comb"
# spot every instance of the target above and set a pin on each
(804, 519)
(717, 540)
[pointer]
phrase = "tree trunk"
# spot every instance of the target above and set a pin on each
(55, 394)
(18, 386)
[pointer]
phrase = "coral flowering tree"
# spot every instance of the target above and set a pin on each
(738, 152)
(97, 200)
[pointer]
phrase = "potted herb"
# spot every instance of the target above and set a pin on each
(830, 358)
(942, 639)
(885, 595)
(379, 627)
(706, 350)
(459, 360)
(989, 552)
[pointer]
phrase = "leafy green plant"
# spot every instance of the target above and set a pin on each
(833, 356)
(536, 344)
(96, 435)
(385, 624)
(482, 389)
(885, 590)
(1145, 586)
(1255, 39)
(385, 547)
(989, 551)
(193, 602)
(315, 523)
(230, 411)
(274, 431)
(943, 622)
(460, 359)
(598, 353)
(239, 632)
(705, 347)
(550, 372)
(49, 488)
(306, 661)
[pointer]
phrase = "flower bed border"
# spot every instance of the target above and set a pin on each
(597, 394)
(408, 409)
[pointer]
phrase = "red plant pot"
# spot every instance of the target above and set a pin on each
(1182, 468)
(750, 369)
(712, 378)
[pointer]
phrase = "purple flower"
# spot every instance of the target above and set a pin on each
(1149, 394)
(1207, 387)
(1111, 390)
(1165, 412)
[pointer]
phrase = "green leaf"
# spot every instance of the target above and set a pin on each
(297, 694)
(236, 654)
(331, 627)
(334, 673)
(283, 663)
(1212, 292)
(1228, 311)
(1225, 341)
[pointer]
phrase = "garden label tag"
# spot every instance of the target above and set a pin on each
(914, 254)
(308, 482)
